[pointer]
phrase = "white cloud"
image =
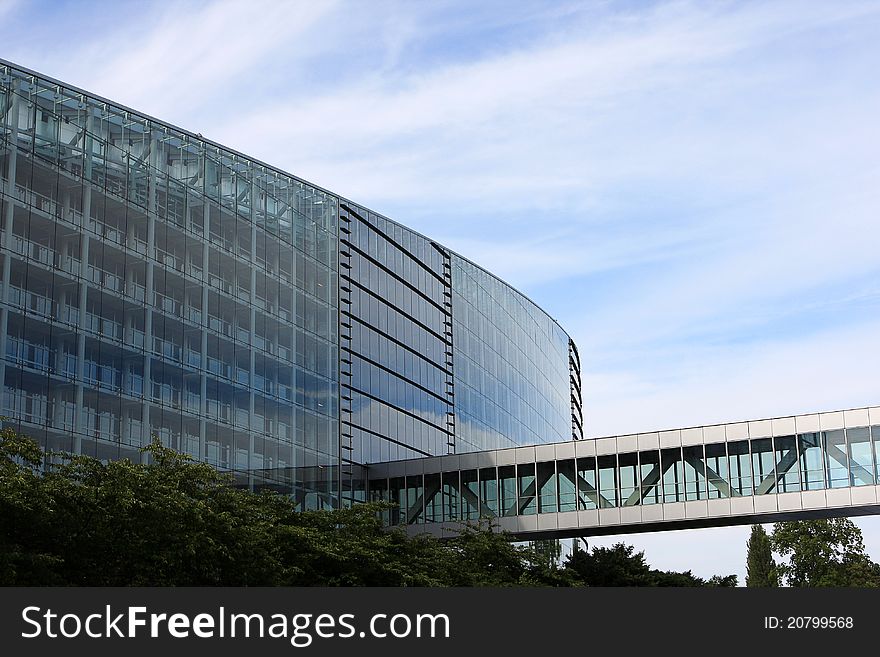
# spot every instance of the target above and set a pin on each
(570, 115)
(175, 60)
(694, 385)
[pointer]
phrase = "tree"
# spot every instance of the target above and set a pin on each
(725, 581)
(75, 521)
(673, 578)
(547, 551)
(824, 553)
(172, 521)
(761, 570)
(621, 565)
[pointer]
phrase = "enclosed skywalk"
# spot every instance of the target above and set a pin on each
(805, 466)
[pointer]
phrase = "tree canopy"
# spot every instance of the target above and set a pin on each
(74, 520)
(824, 553)
(621, 565)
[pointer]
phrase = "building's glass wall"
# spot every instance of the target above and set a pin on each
(155, 284)
(397, 397)
(512, 373)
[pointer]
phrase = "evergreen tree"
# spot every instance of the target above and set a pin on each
(761, 570)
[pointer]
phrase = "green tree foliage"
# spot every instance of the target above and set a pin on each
(824, 553)
(725, 581)
(621, 565)
(761, 570)
(618, 565)
(74, 520)
(172, 521)
(549, 551)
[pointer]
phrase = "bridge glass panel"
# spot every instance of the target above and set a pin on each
(433, 498)
(694, 473)
(450, 496)
(875, 438)
(397, 496)
(470, 498)
(673, 475)
(525, 477)
(489, 491)
(787, 467)
(763, 469)
(717, 475)
(629, 478)
(588, 483)
(547, 502)
(507, 484)
(649, 473)
(740, 467)
(607, 467)
(812, 460)
(861, 457)
(415, 499)
(836, 460)
(567, 485)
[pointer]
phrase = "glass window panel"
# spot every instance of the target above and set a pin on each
(547, 502)
(740, 467)
(875, 439)
(861, 465)
(673, 475)
(526, 488)
(567, 485)
(489, 492)
(629, 478)
(716, 470)
(836, 460)
(607, 468)
(470, 499)
(811, 461)
(787, 465)
(587, 483)
(649, 472)
(450, 496)
(415, 500)
(507, 482)
(694, 473)
(433, 499)
(397, 496)
(763, 466)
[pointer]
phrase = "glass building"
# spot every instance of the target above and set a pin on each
(157, 284)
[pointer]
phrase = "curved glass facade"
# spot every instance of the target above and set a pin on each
(511, 365)
(157, 284)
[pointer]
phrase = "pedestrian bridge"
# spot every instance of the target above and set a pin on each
(788, 468)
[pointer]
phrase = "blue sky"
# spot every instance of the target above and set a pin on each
(691, 189)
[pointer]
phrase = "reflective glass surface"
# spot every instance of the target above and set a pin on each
(512, 372)
(157, 284)
(154, 284)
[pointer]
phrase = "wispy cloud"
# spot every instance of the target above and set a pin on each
(706, 384)
(181, 58)
(656, 175)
